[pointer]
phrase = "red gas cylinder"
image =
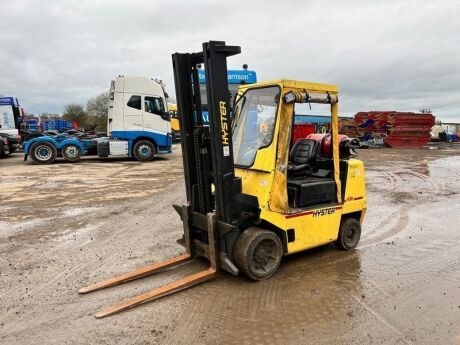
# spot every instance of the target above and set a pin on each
(345, 145)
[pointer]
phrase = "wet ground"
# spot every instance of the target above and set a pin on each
(67, 225)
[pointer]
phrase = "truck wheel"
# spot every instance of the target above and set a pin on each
(349, 234)
(258, 253)
(144, 150)
(71, 153)
(43, 153)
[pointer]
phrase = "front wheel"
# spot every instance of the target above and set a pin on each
(71, 153)
(43, 153)
(258, 253)
(144, 150)
(349, 234)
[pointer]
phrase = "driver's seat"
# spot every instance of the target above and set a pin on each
(303, 157)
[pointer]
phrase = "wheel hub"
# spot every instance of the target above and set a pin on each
(43, 153)
(350, 236)
(71, 152)
(265, 256)
(261, 255)
(144, 150)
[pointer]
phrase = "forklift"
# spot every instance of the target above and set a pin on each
(253, 195)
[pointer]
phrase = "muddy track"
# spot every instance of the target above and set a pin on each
(401, 286)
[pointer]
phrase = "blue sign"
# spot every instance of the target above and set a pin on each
(9, 101)
(234, 77)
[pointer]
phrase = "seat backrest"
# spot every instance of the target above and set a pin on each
(304, 151)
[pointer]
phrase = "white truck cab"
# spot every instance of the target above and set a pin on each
(138, 115)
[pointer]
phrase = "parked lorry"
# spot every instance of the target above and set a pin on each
(4, 147)
(138, 126)
(10, 120)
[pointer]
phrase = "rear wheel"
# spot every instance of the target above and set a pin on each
(71, 153)
(258, 253)
(144, 150)
(349, 234)
(43, 153)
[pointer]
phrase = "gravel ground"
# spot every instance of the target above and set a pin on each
(67, 225)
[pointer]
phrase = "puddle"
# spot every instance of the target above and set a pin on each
(95, 181)
(447, 163)
(47, 185)
(9, 228)
(73, 234)
(77, 211)
(7, 208)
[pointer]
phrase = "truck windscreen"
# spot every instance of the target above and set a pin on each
(7, 117)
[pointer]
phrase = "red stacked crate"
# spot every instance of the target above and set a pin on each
(400, 129)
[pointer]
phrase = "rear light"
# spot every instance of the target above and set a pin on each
(5, 141)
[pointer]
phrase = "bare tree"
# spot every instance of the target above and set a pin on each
(97, 109)
(75, 112)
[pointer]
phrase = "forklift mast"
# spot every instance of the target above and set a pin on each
(207, 151)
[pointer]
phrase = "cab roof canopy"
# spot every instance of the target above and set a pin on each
(296, 84)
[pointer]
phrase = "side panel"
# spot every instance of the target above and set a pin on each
(118, 148)
(133, 119)
(355, 193)
(115, 117)
(162, 140)
(312, 228)
(256, 183)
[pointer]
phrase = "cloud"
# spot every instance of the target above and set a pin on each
(396, 55)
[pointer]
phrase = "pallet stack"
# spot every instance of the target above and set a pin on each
(399, 129)
(56, 124)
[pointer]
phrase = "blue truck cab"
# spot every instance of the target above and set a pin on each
(138, 125)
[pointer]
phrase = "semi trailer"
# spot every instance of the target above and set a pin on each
(138, 125)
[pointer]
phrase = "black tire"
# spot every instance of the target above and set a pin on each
(258, 253)
(144, 150)
(43, 153)
(71, 153)
(349, 234)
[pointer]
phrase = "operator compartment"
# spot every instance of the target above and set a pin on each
(311, 170)
(310, 178)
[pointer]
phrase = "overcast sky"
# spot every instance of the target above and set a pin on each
(383, 55)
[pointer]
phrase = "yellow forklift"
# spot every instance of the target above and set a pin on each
(174, 116)
(253, 195)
